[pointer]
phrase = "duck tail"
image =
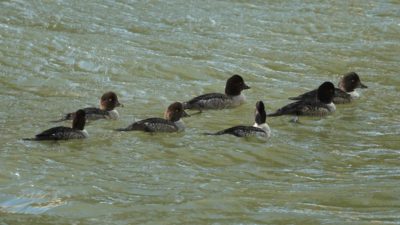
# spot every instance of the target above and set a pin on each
(121, 129)
(275, 114)
(57, 121)
(68, 116)
(29, 139)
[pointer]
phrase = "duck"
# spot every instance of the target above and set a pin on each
(259, 129)
(171, 122)
(108, 103)
(77, 131)
(233, 96)
(344, 93)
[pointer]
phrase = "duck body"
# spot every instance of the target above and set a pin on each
(171, 122)
(155, 125)
(61, 133)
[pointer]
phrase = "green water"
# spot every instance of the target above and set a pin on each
(58, 56)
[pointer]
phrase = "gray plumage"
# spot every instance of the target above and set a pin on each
(242, 131)
(208, 101)
(152, 125)
(59, 133)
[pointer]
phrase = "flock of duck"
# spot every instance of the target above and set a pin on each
(318, 102)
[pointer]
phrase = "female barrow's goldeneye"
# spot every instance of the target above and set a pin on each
(344, 94)
(108, 103)
(172, 121)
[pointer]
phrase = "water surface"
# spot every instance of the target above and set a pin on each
(58, 56)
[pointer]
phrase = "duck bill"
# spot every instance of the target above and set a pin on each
(119, 105)
(362, 85)
(245, 87)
